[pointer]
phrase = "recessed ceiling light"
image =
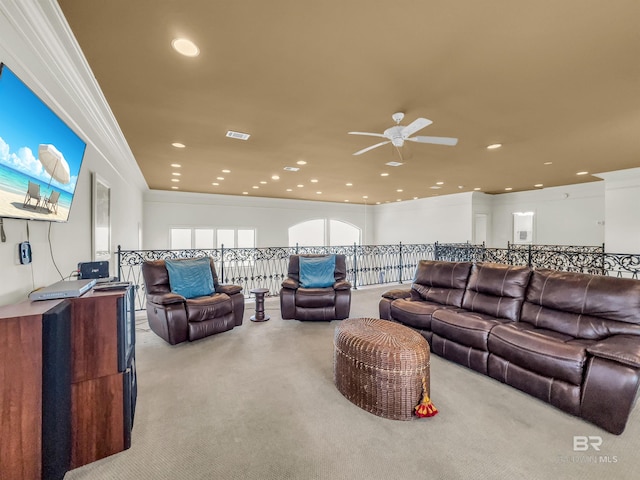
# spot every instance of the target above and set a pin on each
(439, 183)
(275, 177)
(384, 174)
(178, 145)
(378, 203)
(175, 188)
(289, 189)
(415, 198)
(176, 165)
(177, 174)
(493, 146)
(314, 180)
(398, 199)
(263, 182)
(226, 171)
(346, 200)
(215, 184)
(434, 187)
(291, 169)
(185, 47)
(245, 193)
(256, 187)
(300, 185)
(460, 186)
(509, 188)
(237, 135)
(175, 179)
(394, 164)
(399, 190)
(301, 162)
(349, 184)
(477, 188)
(538, 185)
(219, 178)
(582, 173)
(365, 196)
(319, 193)
(548, 163)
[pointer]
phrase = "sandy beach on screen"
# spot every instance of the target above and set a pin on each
(12, 205)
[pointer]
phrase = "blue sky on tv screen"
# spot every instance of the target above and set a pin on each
(25, 123)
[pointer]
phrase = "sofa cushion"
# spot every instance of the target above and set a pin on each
(190, 277)
(317, 272)
(441, 282)
(547, 353)
(463, 327)
(497, 290)
(582, 305)
(208, 307)
(414, 313)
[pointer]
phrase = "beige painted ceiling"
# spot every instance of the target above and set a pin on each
(557, 82)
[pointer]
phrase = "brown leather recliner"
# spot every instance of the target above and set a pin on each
(328, 303)
(177, 319)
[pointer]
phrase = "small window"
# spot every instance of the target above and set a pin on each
(225, 237)
(203, 238)
(180, 238)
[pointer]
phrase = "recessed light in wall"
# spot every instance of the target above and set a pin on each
(349, 184)
(185, 47)
(538, 185)
(494, 146)
(178, 145)
(175, 179)
(439, 183)
(176, 165)
(384, 174)
(508, 189)
(226, 171)
(301, 162)
(314, 180)
(215, 184)
(291, 169)
(582, 173)
(275, 177)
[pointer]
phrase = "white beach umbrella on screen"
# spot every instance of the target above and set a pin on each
(54, 163)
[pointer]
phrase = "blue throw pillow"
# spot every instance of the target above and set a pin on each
(190, 278)
(317, 272)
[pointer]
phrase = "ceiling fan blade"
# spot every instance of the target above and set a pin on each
(437, 140)
(368, 133)
(413, 127)
(372, 147)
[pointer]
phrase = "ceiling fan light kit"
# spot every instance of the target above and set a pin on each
(397, 134)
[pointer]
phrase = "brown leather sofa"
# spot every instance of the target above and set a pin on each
(570, 339)
(177, 319)
(328, 303)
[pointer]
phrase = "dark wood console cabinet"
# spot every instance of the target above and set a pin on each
(67, 383)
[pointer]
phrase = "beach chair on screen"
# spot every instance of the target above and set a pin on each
(51, 203)
(33, 194)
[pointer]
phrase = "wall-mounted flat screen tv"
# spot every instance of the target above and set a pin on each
(40, 156)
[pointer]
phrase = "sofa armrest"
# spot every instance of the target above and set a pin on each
(624, 349)
(229, 289)
(396, 294)
(342, 285)
(165, 298)
(290, 283)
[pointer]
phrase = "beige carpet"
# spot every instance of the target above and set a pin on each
(258, 402)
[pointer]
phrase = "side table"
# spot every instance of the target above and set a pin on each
(260, 315)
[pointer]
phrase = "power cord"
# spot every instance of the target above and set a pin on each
(51, 251)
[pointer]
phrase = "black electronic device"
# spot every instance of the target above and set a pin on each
(94, 269)
(24, 252)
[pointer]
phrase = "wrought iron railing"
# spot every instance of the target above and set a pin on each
(378, 264)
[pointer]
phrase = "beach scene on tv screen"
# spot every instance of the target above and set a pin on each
(40, 156)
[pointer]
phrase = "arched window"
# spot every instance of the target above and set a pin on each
(321, 232)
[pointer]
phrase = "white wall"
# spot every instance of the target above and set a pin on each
(445, 219)
(622, 208)
(36, 44)
(270, 217)
(568, 215)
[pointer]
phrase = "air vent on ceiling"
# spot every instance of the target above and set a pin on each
(291, 169)
(393, 164)
(238, 135)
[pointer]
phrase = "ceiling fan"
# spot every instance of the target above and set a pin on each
(398, 134)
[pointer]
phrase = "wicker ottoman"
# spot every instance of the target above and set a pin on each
(380, 366)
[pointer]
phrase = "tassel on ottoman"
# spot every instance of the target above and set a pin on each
(425, 408)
